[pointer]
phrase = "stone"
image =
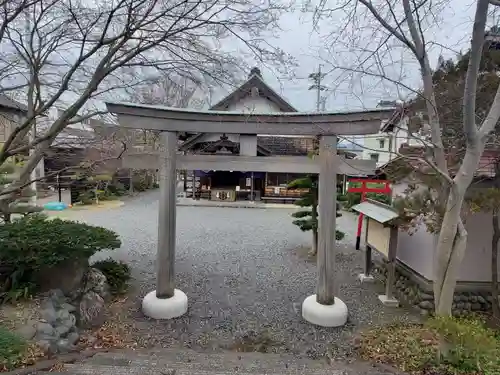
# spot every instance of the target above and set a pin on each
(324, 315)
(73, 338)
(56, 296)
(476, 307)
(456, 298)
(365, 278)
(66, 318)
(424, 312)
(47, 346)
(467, 306)
(68, 307)
(64, 346)
(45, 330)
(62, 330)
(65, 276)
(49, 313)
(91, 310)
(165, 308)
(27, 331)
(473, 299)
(390, 302)
(426, 297)
(427, 305)
(460, 305)
(96, 281)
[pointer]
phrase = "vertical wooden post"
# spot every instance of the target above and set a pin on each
(391, 265)
(368, 250)
(165, 283)
(327, 220)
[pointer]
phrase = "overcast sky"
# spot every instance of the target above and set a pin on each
(309, 49)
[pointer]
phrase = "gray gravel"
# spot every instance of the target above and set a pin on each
(243, 275)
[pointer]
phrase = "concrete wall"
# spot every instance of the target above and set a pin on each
(417, 250)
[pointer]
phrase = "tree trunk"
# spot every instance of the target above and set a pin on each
(450, 251)
(494, 267)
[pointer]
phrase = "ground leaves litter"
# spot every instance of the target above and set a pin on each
(411, 348)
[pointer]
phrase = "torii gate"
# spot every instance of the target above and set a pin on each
(167, 302)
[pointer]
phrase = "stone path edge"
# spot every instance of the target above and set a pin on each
(47, 364)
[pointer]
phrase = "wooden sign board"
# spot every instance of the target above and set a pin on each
(378, 237)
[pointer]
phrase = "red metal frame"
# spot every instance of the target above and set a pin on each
(363, 190)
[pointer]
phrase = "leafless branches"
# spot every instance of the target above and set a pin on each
(73, 54)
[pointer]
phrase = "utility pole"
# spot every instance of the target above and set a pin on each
(317, 77)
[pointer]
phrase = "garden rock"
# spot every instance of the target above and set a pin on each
(67, 276)
(56, 332)
(47, 346)
(96, 281)
(73, 338)
(28, 331)
(68, 307)
(428, 305)
(45, 330)
(91, 310)
(48, 313)
(64, 346)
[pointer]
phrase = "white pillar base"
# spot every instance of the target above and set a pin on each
(324, 315)
(165, 308)
(390, 302)
(365, 279)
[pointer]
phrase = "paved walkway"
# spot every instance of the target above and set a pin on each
(246, 274)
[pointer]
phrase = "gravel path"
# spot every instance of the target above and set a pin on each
(245, 275)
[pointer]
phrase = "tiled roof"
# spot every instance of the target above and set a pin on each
(286, 145)
(9, 103)
(486, 167)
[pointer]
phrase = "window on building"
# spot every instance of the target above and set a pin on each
(281, 179)
(374, 157)
(381, 143)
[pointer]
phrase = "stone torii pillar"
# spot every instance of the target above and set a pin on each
(323, 308)
(166, 302)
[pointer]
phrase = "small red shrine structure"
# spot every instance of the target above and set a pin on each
(363, 189)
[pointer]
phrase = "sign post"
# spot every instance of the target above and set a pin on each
(381, 236)
(386, 189)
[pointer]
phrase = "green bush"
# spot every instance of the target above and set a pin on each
(12, 349)
(469, 345)
(34, 242)
(117, 189)
(117, 273)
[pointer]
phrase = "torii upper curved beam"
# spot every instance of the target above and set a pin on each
(140, 116)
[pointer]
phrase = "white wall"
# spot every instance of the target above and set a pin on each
(392, 142)
(247, 104)
(417, 250)
(251, 104)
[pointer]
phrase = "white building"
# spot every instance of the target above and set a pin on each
(394, 133)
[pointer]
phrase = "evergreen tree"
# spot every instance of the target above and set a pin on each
(307, 220)
(22, 204)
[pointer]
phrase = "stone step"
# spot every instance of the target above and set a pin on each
(207, 360)
(188, 369)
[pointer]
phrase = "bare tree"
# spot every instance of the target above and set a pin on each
(75, 53)
(401, 30)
